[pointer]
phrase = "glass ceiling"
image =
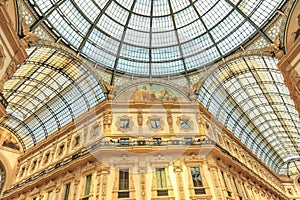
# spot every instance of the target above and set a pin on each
(47, 91)
(249, 97)
(155, 37)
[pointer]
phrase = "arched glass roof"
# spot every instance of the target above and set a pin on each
(249, 97)
(48, 90)
(155, 37)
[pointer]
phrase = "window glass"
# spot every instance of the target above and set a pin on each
(67, 191)
(184, 124)
(124, 179)
(155, 123)
(88, 181)
(196, 176)
(124, 123)
(161, 181)
(124, 141)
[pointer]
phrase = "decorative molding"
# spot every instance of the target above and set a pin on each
(51, 185)
(69, 176)
(88, 168)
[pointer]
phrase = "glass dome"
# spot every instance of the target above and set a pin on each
(155, 37)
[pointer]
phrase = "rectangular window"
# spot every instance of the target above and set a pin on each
(124, 142)
(197, 180)
(124, 123)
(184, 124)
(49, 196)
(225, 183)
(188, 141)
(245, 189)
(67, 191)
(124, 179)
(161, 182)
(87, 188)
(155, 123)
(156, 141)
(123, 183)
(237, 188)
(96, 131)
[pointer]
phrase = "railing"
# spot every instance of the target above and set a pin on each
(99, 145)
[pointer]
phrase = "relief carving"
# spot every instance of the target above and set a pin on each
(274, 47)
(28, 36)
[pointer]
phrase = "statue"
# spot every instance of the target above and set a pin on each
(110, 90)
(28, 36)
(274, 47)
(192, 91)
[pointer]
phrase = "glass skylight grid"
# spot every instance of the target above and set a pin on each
(137, 38)
(204, 6)
(139, 23)
(162, 24)
(179, 4)
(88, 8)
(110, 27)
(143, 7)
(217, 14)
(135, 53)
(156, 24)
(166, 54)
(193, 30)
(185, 17)
(161, 8)
(45, 5)
(42, 100)
(250, 104)
(165, 68)
(117, 13)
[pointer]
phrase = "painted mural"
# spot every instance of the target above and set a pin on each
(151, 92)
(293, 27)
(9, 141)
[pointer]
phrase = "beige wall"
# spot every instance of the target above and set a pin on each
(232, 157)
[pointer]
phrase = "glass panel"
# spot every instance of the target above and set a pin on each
(249, 97)
(97, 29)
(196, 176)
(50, 89)
(161, 181)
(88, 181)
(67, 191)
(124, 123)
(124, 179)
(155, 123)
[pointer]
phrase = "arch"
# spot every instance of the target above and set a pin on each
(248, 95)
(50, 89)
(182, 92)
(9, 170)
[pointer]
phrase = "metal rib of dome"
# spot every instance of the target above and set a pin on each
(155, 37)
(249, 97)
(48, 90)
